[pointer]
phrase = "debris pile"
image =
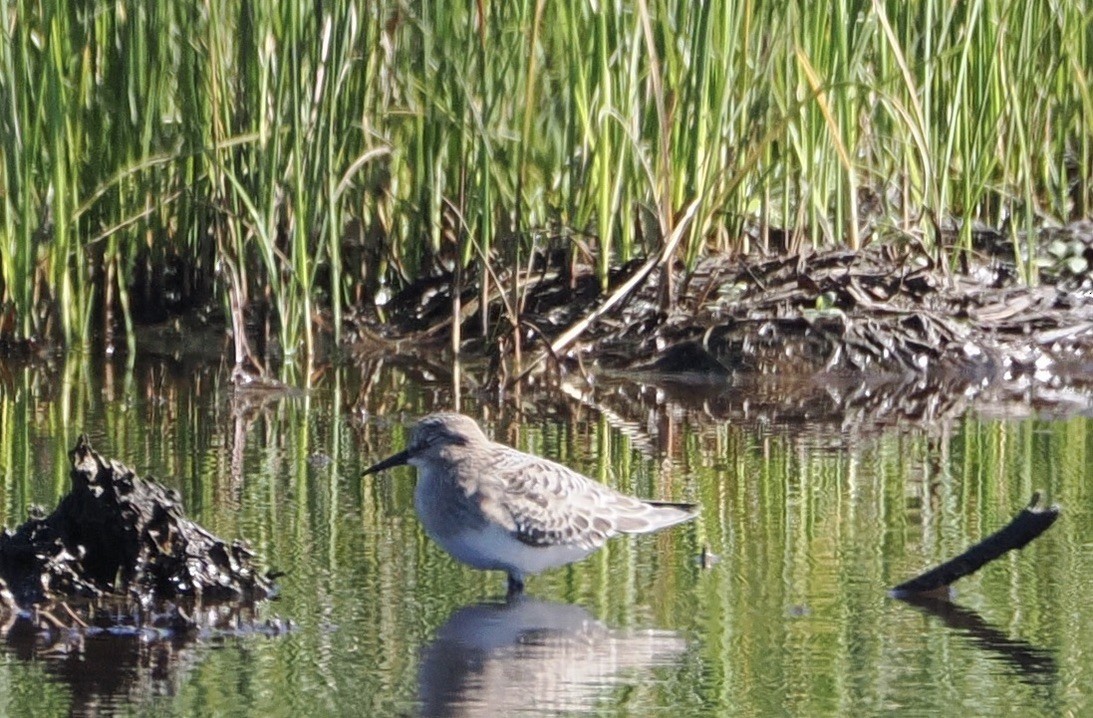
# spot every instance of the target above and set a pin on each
(116, 533)
(925, 327)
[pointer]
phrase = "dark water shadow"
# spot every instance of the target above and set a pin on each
(108, 661)
(851, 404)
(1029, 663)
(104, 669)
(530, 655)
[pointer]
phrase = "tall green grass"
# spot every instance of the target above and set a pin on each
(308, 158)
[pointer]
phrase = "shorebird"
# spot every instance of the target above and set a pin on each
(495, 508)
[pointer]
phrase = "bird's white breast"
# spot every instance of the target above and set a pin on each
(494, 547)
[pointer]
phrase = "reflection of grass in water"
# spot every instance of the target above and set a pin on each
(793, 620)
(313, 157)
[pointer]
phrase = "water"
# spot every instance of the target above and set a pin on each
(810, 523)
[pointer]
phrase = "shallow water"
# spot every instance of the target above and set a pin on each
(810, 524)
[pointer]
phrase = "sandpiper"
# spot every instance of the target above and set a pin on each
(496, 508)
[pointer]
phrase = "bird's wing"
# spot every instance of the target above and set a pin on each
(544, 503)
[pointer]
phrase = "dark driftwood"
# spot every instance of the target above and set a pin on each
(116, 532)
(1027, 525)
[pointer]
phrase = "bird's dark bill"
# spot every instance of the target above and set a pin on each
(400, 459)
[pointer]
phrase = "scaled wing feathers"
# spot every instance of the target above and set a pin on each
(546, 504)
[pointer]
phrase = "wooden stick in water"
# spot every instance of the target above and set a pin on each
(1026, 526)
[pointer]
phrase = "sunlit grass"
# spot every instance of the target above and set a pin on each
(312, 157)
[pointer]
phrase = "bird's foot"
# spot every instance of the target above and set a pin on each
(516, 587)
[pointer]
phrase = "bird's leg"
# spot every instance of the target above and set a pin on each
(516, 586)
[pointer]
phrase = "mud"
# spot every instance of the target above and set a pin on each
(911, 332)
(120, 536)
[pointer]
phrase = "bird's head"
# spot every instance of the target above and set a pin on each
(434, 438)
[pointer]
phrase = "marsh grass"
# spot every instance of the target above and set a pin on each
(155, 156)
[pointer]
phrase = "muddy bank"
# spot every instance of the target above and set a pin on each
(909, 332)
(119, 547)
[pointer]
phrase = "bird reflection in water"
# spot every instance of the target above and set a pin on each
(527, 654)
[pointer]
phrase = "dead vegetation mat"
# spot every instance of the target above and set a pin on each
(886, 309)
(120, 545)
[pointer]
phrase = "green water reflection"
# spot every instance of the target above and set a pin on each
(811, 525)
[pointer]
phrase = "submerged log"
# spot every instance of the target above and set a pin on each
(117, 532)
(1026, 526)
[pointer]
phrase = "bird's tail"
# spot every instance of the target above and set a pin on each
(656, 515)
(685, 512)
